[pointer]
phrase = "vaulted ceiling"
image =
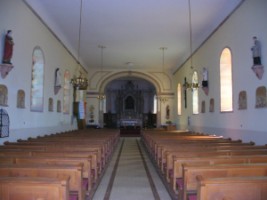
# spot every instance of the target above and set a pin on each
(132, 31)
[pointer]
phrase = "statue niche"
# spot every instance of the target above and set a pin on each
(129, 103)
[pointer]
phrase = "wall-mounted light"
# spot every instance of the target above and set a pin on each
(101, 96)
(162, 99)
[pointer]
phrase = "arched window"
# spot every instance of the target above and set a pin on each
(179, 99)
(37, 88)
(226, 85)
(195, 93)
(155, 110)
(104, 105)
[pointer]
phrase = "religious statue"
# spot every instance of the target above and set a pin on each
(6, 67)
(256, 51)
(205, 85)
(256, 54)
(57, 85)
(8, 48)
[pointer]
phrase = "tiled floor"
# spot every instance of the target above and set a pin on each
(131, 180)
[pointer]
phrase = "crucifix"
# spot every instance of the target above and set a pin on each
(185, 95)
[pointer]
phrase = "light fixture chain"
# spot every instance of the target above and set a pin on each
(80, 27)
(190, 32)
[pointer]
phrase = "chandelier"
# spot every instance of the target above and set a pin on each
(187, 85)
(193, 85)
(80, 82)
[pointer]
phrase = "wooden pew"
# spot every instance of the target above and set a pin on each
(95, 144)
(95, 151)
(164, 150)
(177, 173)
(234, 188)
(190, 172)
(88, 179)
(74, 172)
(32, 188)
(92, 156)
(62, 150)
(170, 156)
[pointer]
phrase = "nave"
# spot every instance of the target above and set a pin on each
(131, 175)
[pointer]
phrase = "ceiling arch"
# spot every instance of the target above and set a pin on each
(126, 74)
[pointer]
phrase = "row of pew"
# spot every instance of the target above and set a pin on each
(62, 166)
(208, 167)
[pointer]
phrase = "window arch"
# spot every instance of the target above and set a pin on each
(195, 93)
(179, 99)
(226, 84)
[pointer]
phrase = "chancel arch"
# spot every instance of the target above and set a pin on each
(141, 103)
(129, 99)
(128, 75)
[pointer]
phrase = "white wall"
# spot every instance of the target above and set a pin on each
(236, 33)
(28, 32)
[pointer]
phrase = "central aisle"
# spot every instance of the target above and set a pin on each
(131, 175)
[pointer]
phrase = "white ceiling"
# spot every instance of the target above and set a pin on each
(132, 30)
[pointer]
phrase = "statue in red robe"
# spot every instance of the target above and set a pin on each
(8, 48)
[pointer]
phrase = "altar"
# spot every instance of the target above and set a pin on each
(130, 127)
(130, 122)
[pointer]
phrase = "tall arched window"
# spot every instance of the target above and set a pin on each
(37, 88)
(179, 99)
(195, 93)
(226, 85)
(155, 103)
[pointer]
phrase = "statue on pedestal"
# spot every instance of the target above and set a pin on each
(256, 54)
(8, 52)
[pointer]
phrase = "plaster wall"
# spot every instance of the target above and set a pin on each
(28, 32)
(236, 33)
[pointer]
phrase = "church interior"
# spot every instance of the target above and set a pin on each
(133, 100)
